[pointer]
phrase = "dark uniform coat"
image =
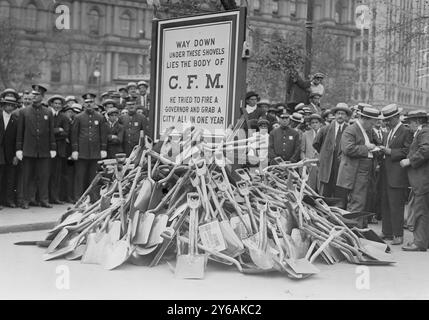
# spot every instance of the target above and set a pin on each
(8, 139)
(61, 121)
(418, 172)
(35, 136)
(89, 135)
(114, 145)
(132, 126)
(284, 143)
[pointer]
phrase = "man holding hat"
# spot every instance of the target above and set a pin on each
(133, 123)
(115, 133)
(417, 164)
(58, 164)
(8, 160)
(89, 144)
(143, 99)
(284, 141)
(328, 144)
(393, 178)
(358, 145)
(36, 146)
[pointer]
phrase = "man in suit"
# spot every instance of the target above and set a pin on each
(356, 166)
(307, 150)
(417, 163)
(58, 164)
(328, 144)
(115, 133)
(133, 123)
(35, 144)
(143, 99)
(8, 160)
(89, 144)
(393, 178)
(284, 141)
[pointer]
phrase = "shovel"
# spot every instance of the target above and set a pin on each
(95, 243)
(191, 266)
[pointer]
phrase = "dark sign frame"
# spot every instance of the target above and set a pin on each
(237, 77)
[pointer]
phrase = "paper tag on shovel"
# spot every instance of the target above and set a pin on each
(211, 236)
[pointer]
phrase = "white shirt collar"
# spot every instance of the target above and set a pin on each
(250, 109)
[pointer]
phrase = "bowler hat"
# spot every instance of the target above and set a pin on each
(262, 122)
(390, 111)
(252, 94)
(369, 112)
(315, 116)
(123, 89)
(342, 107)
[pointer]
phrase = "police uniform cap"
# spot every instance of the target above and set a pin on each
(39, 88)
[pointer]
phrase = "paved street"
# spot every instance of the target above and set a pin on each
(24, 275)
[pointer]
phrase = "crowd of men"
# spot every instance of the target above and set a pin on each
(370, 159)
(49, 150)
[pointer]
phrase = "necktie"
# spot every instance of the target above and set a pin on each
(389, 137)
(338, 137)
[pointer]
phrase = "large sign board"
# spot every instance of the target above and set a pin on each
(198, 74)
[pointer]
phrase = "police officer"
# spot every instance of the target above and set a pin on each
(35, 144)
(89, 144)
(58, 164)
(115, 133)
(133, 123)
(284, 141)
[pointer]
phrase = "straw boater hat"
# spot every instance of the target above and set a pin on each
(56, 97)
(9, 100)
(131, 84)
(318, 75)
(315, 116)
(369, 112)
(297, 117)
(416, 114)
(71, 98)
(390, 111)
(9, 91)
(342, 107)
(142, 83)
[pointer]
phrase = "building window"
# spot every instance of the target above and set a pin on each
(94, 22)
(275, 7)
(293, 9)
(31, 16)
(125, 24)
(123, 68)
(56, 70)
(4, 10)
(341, 11)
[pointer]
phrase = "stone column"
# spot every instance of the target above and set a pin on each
(115, 64)
(301, 9)
(140, 64)
(148, 16)
(108, 67)
(83, 16)
(115, 20)
(108, 19)
(284, 9)
(76, 15)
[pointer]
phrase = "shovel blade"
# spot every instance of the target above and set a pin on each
(302, 266)
(115, 254)
(57, 240)
(190, 267)
(77, 253)
(143, 229)
(158, 227)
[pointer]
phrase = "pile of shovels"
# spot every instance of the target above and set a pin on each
(196, 209)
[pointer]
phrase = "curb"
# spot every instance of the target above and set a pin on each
(27, 227)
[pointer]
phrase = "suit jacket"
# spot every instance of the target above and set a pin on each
(61, 121)
(285, 143)
(35, 133)
(393, 173)
(418, 172)
(132, 126)
(307, 150)
(8, 139)
(89, 135)
(353, 149)
(324, 143)
(114, 145)
(297, 90)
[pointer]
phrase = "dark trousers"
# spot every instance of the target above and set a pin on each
(421, 228)
(36, 178)
(392, 209)
(85, 171)
(331, 189)
(358, 195)
(69, 176)
(7, 183)
(55, 182)
(19, 183)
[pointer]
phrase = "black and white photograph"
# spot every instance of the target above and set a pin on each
(214, 154)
